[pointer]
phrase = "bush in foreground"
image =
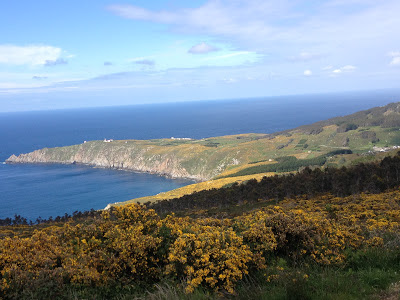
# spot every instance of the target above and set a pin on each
(128, 249)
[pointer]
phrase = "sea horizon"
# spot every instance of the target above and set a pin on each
(384, 91)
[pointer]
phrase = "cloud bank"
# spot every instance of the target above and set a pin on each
(395, 58)
(28, 55)
(258, 25)
(347, 68)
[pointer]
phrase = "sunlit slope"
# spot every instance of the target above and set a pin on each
(196, 187)
(207, 158)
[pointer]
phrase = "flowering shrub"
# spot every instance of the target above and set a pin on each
(209, 255)
(26, 261)
(258, 235)
(130, 244)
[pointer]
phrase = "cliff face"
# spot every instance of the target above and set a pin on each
(176, 161)
(169, 166)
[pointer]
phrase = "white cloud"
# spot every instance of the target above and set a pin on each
(243, 19)
(138, 13)
(305, 56)
(307, 73)
(259, 24)
(395, 61)
(394, 53)
(345, 69)
(348, 68)
(202, 48)
(395, 58)
(28, 55)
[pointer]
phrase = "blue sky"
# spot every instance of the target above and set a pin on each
(61, 54)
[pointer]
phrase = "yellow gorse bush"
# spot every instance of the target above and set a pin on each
(258, 235)
(130, 243)
(209, 255)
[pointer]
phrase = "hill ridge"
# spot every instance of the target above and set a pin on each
(207, 158)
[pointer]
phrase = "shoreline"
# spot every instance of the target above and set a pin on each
(92, 166)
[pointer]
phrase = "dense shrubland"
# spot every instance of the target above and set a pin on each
(133, 246)
(314, 235)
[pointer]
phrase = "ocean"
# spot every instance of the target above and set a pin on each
(50, 190)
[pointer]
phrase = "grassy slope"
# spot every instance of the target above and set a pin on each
(196, 187)
(304, 142)
(329, 135)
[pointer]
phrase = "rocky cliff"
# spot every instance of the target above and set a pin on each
(185, 159)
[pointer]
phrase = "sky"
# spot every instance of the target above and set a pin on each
(64, 54)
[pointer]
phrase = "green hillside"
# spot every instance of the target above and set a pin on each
(361, 137)
(204, 159)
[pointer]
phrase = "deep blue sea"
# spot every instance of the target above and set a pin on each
(51, 190)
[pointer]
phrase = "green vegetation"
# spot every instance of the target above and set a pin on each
(285, 164)
(288, 164)
(212, 157)
(299, 248)
(374, 276)
(346, 127)
(364, 278)
(302, 144)
(196, 187)
(373, 177)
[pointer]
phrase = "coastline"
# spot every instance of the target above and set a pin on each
(165, 175)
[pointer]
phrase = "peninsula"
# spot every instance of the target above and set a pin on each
(373, 130)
